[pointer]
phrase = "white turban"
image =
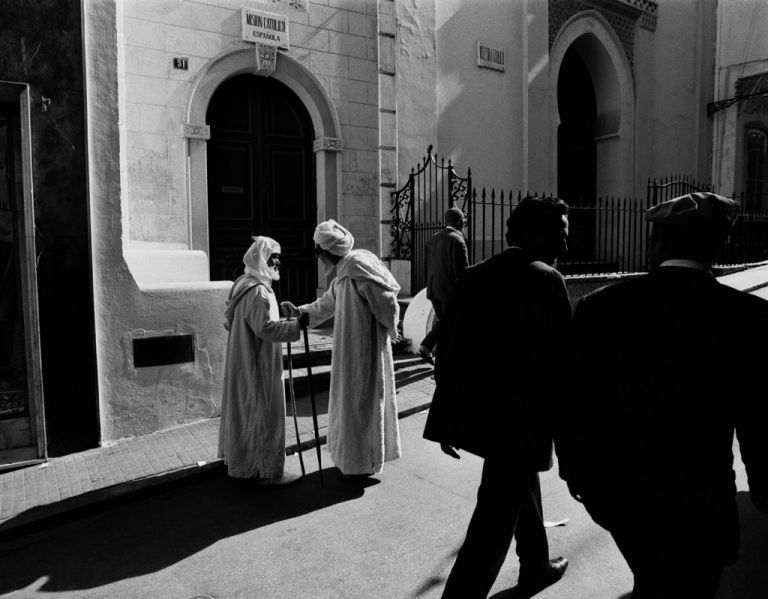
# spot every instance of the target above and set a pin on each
(256, 257)
(331, 236)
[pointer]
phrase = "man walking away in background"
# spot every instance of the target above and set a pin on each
(495, 390)
(446, 260)
(647, 430)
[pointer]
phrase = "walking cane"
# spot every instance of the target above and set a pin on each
(314, 405)
(293, 407)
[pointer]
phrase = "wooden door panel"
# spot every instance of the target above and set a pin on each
(287, 191)
(231, 183)
(282, 119)
(261, 180)
(230, 108)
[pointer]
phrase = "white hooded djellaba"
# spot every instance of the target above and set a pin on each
(252, 427)
(363, 430)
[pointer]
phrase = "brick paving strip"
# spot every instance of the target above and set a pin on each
(76, 480)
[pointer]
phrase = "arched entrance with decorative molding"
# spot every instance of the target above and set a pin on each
(592, 98)
(316, 141)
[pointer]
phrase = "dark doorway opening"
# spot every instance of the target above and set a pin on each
(261, 181)
(576, 151)
(14, 399)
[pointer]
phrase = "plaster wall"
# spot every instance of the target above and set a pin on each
(136, 401)
(742, 51)
(539, 170)
(482, 122)
(682, 62)
(416, 79)
(337, 43)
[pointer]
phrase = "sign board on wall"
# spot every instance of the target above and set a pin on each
(266, 28)
(490, 57)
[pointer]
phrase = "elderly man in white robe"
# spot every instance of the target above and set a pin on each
(363, 431)
(252, 426)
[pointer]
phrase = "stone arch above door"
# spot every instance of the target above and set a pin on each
(605, 58)
(306, 86)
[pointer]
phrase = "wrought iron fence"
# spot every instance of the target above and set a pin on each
(610, 235)
(607, 235)
(749, 239)
(661, 189)
(418, 209)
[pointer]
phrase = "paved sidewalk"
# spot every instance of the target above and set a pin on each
(750, 280)
(69, 482)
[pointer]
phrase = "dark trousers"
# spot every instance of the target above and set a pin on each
(674, 550)
(430, 340)
(508, 505)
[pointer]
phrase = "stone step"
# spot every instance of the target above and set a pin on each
(320, 353)
(406, 365)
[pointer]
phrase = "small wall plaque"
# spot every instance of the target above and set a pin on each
(181, 62)
(490, 57)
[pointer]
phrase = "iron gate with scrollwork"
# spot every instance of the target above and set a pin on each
(608, 235)
(418, 210)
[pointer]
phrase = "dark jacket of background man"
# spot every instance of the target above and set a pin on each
(664, 368)
(500, 344)
(446, 260)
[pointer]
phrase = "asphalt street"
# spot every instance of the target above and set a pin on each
(394, 537)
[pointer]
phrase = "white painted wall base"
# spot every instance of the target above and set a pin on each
(149, 267)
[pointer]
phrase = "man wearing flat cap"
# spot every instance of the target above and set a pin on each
(663, 370)
(363, 430)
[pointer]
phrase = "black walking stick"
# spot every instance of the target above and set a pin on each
(293, 407)
(312, 401)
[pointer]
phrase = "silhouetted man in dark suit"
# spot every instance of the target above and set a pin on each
(500, 341)
(446, 260)
(664, 369)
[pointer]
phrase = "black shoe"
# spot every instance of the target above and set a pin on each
(532, 583)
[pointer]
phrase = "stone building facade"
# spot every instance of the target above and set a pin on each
(197, 137)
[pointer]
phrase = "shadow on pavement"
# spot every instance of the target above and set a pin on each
(514, 593)
(436, 580)
(304, 405)
(134, 536)
(748, 577)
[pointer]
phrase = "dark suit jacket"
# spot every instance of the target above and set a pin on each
(446, 260)
(664, 369)
(500, 344)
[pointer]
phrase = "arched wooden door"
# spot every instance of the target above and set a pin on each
(261, 181)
